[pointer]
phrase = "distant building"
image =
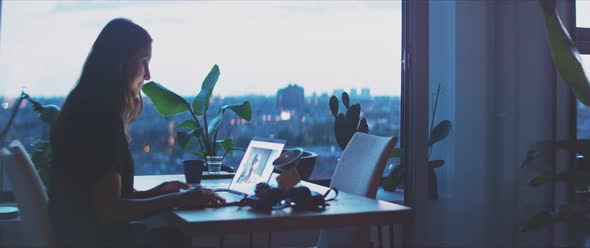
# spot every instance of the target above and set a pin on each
(291, 98)
(353, 93)
(365, 93)
(337, 92)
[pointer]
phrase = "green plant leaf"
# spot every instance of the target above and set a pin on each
(41, 145)
(227, 145)
(397, 152)
(243, 110)
(363, 126)
(345, 99)
(189, 125)
(566, 56)
(201, 102)
(182, 138)
(49, 113)
(334, 104)
(580, 146)
(167, 102)
(353, 116)
(201, 154)
(341, 131)
(440, 132)
(531, 155)
(538, 220)
(565, 212)
(540, 180)
(436, 163)
(577, 178)
(394, 179)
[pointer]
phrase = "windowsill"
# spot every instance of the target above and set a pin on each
(395, 197)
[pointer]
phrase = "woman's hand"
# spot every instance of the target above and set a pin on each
(199, 198)
(169, 187)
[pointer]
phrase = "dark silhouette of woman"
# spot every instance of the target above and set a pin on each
(92, 199)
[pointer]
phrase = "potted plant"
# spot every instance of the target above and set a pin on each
(41, 149)
(199, 126)
(566, 59)
(345, 125)
(437, 133)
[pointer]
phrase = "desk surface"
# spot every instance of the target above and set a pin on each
(147, 182)
(346, 210)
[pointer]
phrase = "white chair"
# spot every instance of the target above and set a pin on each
(30, 195)
(359, 172)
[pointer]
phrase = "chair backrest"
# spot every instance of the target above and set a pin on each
(361, 164)
(359, 172)
(29, 193)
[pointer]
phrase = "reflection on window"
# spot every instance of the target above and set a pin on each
(582, 16)
(286, 57)
(583, 123)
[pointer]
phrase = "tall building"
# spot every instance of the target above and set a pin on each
(353, 93)
(365, 93)
(337, 92)
(291, 98)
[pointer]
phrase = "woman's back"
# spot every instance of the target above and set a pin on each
(87, 141)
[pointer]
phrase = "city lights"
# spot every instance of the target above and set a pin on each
(285, 115)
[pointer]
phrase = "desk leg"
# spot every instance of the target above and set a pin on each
(379, 237)
(391, 236)
(251, 240)
(221, 241)
(269, 239)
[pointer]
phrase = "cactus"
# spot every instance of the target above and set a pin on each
(345, 125)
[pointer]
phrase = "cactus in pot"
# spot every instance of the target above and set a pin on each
(345, 125)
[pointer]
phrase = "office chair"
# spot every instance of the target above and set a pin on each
(359, 172)
(30, 195)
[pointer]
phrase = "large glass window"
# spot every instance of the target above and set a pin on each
(582, 10)
(583, 44)
(583, 123)
(307, 50)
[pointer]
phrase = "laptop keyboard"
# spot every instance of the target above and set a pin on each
(230, 197)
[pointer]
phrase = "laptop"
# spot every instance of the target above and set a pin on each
(255, 167)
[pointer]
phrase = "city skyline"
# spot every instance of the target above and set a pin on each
(259, 46)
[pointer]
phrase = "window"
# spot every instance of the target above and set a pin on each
(582, 17)
(583, 44)
(312, 49)
(583, 124)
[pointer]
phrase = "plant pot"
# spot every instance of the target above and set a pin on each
(306, 164)
(193, 170)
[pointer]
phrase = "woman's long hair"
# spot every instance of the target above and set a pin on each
(104, 82)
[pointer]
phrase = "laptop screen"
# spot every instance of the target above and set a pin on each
(256, 165)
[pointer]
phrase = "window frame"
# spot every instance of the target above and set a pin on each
(582, 35)
(415, 108)
(582, 39)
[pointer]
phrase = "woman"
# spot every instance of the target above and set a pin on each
(91, 184)
(247, 173)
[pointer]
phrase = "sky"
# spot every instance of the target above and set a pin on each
(260, 46)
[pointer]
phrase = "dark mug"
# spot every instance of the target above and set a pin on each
(193, 170)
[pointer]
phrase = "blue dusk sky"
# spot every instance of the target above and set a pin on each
(260, 46)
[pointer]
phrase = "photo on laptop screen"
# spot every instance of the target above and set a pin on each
(256, 165)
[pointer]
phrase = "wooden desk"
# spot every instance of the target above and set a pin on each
(346, 210)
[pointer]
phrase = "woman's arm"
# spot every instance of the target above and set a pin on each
(162, 189)
(111, 208)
